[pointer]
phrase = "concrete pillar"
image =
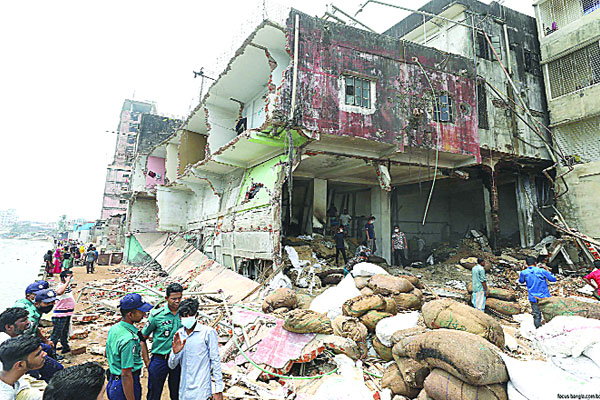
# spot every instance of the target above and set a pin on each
(487, 208)
(526, 203)
(319, 205)
(381, 209)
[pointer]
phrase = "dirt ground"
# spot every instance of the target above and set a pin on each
(96, 333)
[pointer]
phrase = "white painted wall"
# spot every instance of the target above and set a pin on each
(138, 178)
(143, 215)
(172, 208)
(172, 162)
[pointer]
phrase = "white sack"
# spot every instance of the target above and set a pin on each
(390, 325)
(331, 300)
(367, 269)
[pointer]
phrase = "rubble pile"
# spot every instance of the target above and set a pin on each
(379, 332)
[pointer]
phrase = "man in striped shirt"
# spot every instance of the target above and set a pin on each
(63, 311)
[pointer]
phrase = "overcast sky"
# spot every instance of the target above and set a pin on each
(67, 66)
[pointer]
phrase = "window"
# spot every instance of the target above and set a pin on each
(443, 110)
(483, 49)
(575, 71)
(358, 92)
(482, 109)
(590, 6)
(532, 62)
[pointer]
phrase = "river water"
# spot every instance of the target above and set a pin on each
(20, 262)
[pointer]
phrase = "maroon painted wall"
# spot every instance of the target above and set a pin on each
(403, 96)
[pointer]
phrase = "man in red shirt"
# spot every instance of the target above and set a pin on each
(594, 276)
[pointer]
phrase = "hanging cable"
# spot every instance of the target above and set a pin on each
(437, 146)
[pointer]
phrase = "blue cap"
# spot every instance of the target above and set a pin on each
(133, 301)
(36, 287)
(45, 296)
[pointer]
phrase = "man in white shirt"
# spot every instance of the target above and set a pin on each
(196, 348)
(18, 355)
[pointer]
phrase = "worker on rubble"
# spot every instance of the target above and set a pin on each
(162, 325)
(536, 279)
(340, 245)
(480, 289)
(595, 277)
(399, 247)
(370, 231)
(124, 350)
(196, 349)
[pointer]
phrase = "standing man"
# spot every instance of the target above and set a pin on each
(480, 289)
(124, 351)
(162, 325)
(399, 247)
(345, 219)
(18, 355)
(48, 263)
(63, 311)
(340, 246)
(370, 231)
(594, 276)
(89, 261)
(196, 348)
(536, 279)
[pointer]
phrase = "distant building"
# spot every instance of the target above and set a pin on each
(8, 217)
(118, 173)
(569, 33)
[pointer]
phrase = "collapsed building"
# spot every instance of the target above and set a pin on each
(313, 113)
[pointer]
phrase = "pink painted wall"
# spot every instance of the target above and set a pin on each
(156, 165)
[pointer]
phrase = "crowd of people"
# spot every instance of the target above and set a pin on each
(69, 253)
(183, 352)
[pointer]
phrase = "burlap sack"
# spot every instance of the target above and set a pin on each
(360, 282)
(413, 372)
(405, 333)
(496, 293)
(388, 285)
(366, 291)
(554, 306)
(282, 297)
(468, 357)
(371, 319)
(390, 306)
(385, 353)
(503, 307)
(409, 301)
(393, 380)
(442, 385)
(307, 321)
(359, 305)
(413, 280)
(303, 301)
(446, 313)
(424, 396)
(350, 328)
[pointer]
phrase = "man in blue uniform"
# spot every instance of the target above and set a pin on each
(124, 351)
(537, 286)
(162, 325)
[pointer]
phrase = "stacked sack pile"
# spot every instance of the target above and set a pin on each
(503, 301)
(458, 359)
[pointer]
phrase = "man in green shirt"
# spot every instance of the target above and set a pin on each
(162, 325)
(480, 289)
(124, 350)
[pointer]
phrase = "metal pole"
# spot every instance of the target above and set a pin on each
(351, 17)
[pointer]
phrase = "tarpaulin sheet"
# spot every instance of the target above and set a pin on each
(280, 346)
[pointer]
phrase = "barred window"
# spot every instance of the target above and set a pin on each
(443, 109)
(482, 108)
(580, 139)
(556, 14)
(575, 71)
(358, 91)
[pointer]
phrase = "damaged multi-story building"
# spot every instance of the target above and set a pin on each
(569, 33)
(312, 113)
(118, 173)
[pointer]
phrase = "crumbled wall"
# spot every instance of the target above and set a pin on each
(143, 213)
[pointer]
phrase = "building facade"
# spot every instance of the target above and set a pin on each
(569, 32)
(118, 173)
(511, 106)
(311, 114)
